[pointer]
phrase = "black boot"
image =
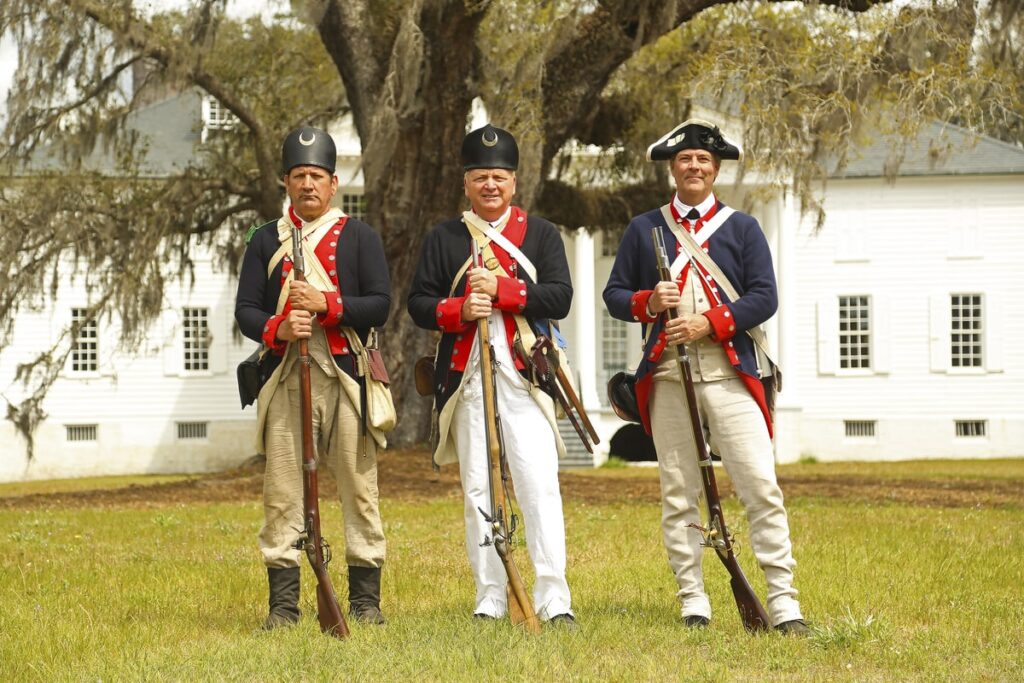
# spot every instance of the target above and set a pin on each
(284, 597)
(364, 594)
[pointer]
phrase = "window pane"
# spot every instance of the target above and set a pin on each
(967, 328)
(85, 351)
(855, 332)
(196, 339)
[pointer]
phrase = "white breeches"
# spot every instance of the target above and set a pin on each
(533, 464)
(739, 435)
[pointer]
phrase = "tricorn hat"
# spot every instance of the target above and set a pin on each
(622, 396)
(490, 147)
(308, 146)
(694, 134)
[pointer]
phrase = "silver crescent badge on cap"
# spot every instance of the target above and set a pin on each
(489, 142)
(304, 141)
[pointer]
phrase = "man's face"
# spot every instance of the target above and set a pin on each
(694, 171)
(490, 191)
(310, 188)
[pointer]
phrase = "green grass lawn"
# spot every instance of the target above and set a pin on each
(894, 591)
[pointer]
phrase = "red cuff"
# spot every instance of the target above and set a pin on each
(335, 310)
(270, 334)
(638, 306)
(449, 314)
(723, 325)
(511, 295)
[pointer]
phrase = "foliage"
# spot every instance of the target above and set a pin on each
(893, 592)
(804, 84)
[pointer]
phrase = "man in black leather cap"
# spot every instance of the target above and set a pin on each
(348, 292)
(524, 283)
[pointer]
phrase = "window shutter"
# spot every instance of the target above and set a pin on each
(881, 343)
(220, 336)
(828, 332)
(170, 342)
(938, 320)
(992, 324)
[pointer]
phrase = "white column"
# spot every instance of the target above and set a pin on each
(585, 335)
(788, 409)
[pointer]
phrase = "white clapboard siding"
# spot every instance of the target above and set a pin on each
(912, 261)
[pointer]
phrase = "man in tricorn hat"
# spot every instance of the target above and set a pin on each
(726, 369)
(347, 292)
(525, 282)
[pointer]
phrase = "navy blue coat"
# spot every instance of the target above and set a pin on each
(739, 248)
(445, 249)
(362, 277)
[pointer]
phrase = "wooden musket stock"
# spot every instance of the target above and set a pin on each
(752, 612)
(520, 608)
(317, 550)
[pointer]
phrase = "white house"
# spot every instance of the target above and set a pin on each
(894, 331)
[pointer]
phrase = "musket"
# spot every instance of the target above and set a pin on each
(543, 363)
(317, 549)
(502, 522)
(716, 535)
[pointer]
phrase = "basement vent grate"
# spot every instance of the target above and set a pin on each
(969, 428)
(860, 428)
(80, 432)
(192, 430)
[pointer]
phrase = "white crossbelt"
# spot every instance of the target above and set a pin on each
(502, 241)
(702, 236)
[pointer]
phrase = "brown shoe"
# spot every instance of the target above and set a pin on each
(794, 627)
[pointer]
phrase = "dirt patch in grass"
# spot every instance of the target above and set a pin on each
(407, 474)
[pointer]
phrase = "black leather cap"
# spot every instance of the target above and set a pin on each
(694, 134)
(490, 147)
(308, 146)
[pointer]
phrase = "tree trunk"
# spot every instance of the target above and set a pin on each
(411, 116)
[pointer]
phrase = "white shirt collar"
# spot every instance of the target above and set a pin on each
(702, 208)
(501, 219)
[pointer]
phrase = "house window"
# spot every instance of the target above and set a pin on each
(79, 432)
(966, 331)
(215, 117)
(970, 428)
(85, 351)
(354, 205)
(196, 338)
(191, 430)
(859, 428)
(854, 332)
(614, 348)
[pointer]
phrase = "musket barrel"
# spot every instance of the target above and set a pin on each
(332, 621)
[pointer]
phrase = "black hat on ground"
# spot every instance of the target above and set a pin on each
(308, 146)
(694, 134)
(490, 147)
(622, 396)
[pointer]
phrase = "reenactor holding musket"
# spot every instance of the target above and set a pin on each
(325, 315)
(719, 289)
(520, 283)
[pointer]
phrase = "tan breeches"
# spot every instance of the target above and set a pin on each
(739, 435)
(339, 446)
